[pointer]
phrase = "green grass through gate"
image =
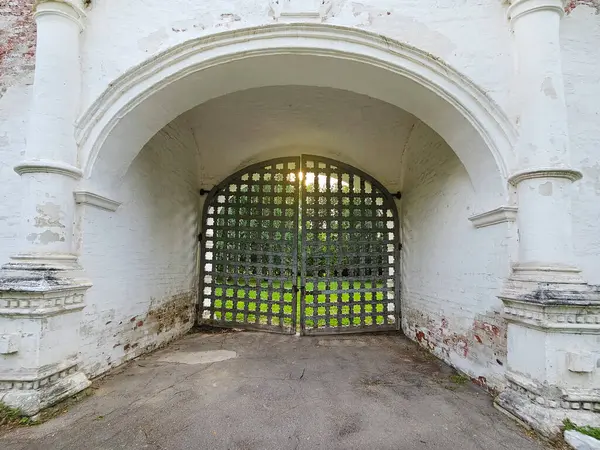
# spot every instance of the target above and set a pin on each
(247, 302)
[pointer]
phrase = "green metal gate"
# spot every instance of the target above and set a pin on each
(341, 276)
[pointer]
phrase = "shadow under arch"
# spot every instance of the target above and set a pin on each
(143, 100)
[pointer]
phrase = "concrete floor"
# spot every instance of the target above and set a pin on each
(280, 392)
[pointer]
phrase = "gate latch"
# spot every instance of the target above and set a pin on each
(295, 289)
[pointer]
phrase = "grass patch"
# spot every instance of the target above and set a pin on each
(587, 430)
(10, 417)
(459, 378)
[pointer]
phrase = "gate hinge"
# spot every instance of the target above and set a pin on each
(399, 246)
(295, 289)
(200, 237)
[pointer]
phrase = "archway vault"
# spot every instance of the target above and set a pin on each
(139, 103)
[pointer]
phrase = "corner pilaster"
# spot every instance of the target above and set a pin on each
(42, 288)
(553, 315)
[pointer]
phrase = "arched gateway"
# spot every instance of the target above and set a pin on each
(300, 241)
(290, 244)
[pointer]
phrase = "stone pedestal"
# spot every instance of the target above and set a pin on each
(553, 361)
(40, 315)
(42, 289)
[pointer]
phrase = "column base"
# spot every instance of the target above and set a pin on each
(34, 265)
(549, 285)
(546, 273)
(40, 315)
(547, 419)
(30, 401)
(553, 369)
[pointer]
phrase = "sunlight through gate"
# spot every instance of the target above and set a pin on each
(340, 277)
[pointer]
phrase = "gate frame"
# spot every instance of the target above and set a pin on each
(298, 243)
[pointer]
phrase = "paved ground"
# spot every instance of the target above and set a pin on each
(280, 392)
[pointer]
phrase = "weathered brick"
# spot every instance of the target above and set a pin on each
(17, 41)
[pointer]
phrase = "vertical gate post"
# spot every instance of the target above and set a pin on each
(553, 315)
(41, 295)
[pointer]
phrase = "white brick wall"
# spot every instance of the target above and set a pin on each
(581, 53)
(471, 36)
(17, 53)
(451, 271)
(142, 258)
(14, 107)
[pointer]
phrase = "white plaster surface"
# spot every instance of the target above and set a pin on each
(580, 31)
(142, 257)
(150, 96)
(14, 108)
(472, 40)
(258, 124)
(452, 272)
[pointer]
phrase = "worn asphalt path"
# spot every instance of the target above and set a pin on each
(373, 392)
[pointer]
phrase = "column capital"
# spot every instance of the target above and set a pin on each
(557, 172)
(47, 166)
(70, 9)
(519, 8)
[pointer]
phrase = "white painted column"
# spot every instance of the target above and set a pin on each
(49, 174)
(553, 315)
(544, 176)
(41, 295)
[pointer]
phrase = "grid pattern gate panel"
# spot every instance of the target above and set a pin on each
(250, 249)
(349, 266)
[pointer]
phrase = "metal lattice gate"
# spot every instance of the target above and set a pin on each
(349, 250)
(250, 248)
(341, 277)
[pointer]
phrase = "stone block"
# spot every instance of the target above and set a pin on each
(581, 441)
(9, 343)
(581, 362)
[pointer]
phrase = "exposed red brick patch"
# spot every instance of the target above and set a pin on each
(17, 41)
(572, 4)
(484, 341)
